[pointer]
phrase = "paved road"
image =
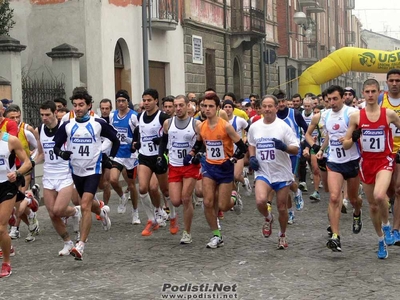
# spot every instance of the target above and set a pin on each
(121, 264)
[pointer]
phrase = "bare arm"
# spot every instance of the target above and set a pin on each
(313, 125)
(347, 141)
(15, 144)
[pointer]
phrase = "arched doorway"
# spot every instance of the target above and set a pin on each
(237, 86)
(122, 66)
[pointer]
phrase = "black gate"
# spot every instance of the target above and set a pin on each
(35, 91)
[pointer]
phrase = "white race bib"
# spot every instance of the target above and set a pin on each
(336, 149)
(82, 148)
(373, 140)
(265, 151)
(215, 150)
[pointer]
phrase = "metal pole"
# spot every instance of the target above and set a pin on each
(262, 50)
(146, 79)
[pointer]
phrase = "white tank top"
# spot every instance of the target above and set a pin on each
(5, 167)
(336, 124)
(149, 131)
(180, 142)
(54, 167)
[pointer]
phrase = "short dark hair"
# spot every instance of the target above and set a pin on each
(320, 107)
(254, 95)
(296, 96)
(309, 95)
(106, 100)
(213, 96)
(324, 94)
(391, 72)
(63, 109)
(371, 81)
(335, 88)
(279, 94)
(123, 94)
(82, 95)
(230, 94)
(151, 92)
(49, 105)
(12, 108)
(61, 100)
(210, 90)
(169, 98)
(257, 103)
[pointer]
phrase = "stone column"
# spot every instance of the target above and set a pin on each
(65, 61)
(5, 88)
(10, 65)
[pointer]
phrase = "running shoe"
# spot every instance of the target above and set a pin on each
(67, 249)
(298, 200)
(334, 243)
(357, 223)
(329, 229)
(13, 218)
(5, 270)
(160, 219)
(215, 242)
(382, 250)
(14, 233)
(282, 242)
(315, 196)
(12, 252)
(186, 238)
(122, 204)
(238, 207)
(30, 237)
(247, 186)
(291, 218)
(267, 227)
(33, 224)
(135, 217)
(150, 227)
(77, 251)
(36, 191)
(396, 235)
(345, 206)
(303, 187)
(101, 203)
(389, 237)
(76, 218)
(173, 225)
(106, 219)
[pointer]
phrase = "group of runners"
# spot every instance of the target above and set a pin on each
(199, 148)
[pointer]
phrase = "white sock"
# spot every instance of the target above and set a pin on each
(76, 212)
(31, 215)
(172, 211)
(29, 200)
(148, 206)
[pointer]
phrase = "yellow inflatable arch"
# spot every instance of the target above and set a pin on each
(344, 60)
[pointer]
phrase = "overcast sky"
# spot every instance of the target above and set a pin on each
(382, 16)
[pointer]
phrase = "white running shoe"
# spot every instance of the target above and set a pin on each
(77, 251)
(215, 242)
(186, 238)
(247, 186)
(77, 218)
(238, 207)
(14, 233)
(67, 249)
(122, 204)
(160, 219)
(135, 217)
(106, 219)
(33, 224)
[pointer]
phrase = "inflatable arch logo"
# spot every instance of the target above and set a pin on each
(344, 60)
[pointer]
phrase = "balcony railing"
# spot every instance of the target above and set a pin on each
(164, 14)
(248, 20)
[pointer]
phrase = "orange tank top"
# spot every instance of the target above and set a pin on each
(219, 146)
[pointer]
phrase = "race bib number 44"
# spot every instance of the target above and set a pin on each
(82, 148)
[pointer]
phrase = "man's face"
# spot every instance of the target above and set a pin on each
(180, 108)
(210, 108)
(316, 110)
(191, 96)
(268, 108)
(315, 102)
(47, 116)
(307, 107)
(80, 107)
(296, 102)
(393, 83)
(252, 101)
(336, 101)
(58, 105)
(149, 103)
(105, 109)
(228, 109)
(60, 114)
(282, 104)
(371, 93)
(122, 104)
(348, 97)
(14, 115)
(258, 110)
(168, 107)
(289, 103)
(327, 104)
